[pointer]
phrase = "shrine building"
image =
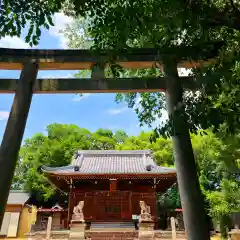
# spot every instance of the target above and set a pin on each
(112, 183)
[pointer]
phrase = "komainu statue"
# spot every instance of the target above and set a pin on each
(145, 212)
(78, 212)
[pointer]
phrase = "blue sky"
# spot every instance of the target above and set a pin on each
(92, 111)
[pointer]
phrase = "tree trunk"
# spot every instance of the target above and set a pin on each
(194, 215)
(14, 131)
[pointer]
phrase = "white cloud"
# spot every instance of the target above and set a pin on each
(78, 98)
(115, 111)
(61, 21)
(13, 42)
(4, 115)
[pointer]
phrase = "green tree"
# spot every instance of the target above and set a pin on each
(219, 172)
(120, 136)
(162, 148)
(217, 158)
(223, 203)
(169, 24)
(55, 149)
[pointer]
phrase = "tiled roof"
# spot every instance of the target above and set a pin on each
(111, 162)
(17, 197)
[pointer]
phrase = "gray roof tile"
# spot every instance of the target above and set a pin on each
(111, 162)
(17, 197)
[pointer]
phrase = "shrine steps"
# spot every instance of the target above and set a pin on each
(132, 236)
(112, 235)
(118, 226)
(112, 230)
(126, 231)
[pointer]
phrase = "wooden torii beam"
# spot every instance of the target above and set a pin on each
(13, 59)
(30, 61)
(102, 85)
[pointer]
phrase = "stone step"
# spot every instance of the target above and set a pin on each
(134, 235)
(112, 229)
(168, 235)
(112, 235)
(114, 225)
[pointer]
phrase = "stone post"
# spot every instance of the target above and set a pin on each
(14, 131)
(49, 228)
(173, 228)
(194, 215)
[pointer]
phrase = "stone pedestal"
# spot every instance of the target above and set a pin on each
(234, 234)
(146, 230)
(77, 230)
(145, 217)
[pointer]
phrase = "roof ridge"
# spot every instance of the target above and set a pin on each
(146, 151)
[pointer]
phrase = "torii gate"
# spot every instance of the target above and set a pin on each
(30, 61)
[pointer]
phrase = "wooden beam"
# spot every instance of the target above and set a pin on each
(13, 59)
(13, 134)
(104, 85)
(85, 66)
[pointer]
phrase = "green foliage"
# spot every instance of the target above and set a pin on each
(162, 148)
(169, 200)
(217, 159)
(223, 203)
(121, 24)
(78, 34)
(162, 24)
(16, 15)
(219, 173)
(56, 149)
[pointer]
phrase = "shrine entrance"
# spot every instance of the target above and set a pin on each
(30, 61)
(114, 206)
(112, 210)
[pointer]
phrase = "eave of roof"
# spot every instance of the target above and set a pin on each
(110, 163)
(17, 197)
(51, 210)
(113, 176)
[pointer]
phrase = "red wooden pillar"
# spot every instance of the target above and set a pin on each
(130, 204)
(69, 206)
(155, 201)
(155, 210)
(113, 185)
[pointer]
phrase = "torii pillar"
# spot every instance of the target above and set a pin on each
(194, 215)
(14, 131)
